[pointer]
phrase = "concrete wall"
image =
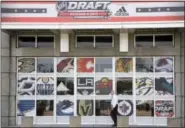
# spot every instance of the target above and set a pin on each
(9, 67)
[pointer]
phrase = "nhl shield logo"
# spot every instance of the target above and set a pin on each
(61, 6)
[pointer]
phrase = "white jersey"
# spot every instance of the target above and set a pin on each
(114, 101)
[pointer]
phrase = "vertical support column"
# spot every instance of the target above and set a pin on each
(64, 42)
(123, 47)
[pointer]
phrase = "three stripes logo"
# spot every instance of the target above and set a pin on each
(121, 12)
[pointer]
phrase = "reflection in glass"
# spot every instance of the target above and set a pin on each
(45, 65)
(44, 107)
(124, 86)
(103, 64)
(144, 108)
(103, 107)
(144, 64)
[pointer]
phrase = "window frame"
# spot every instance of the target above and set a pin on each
(45, 36)
(173, 39)
(135, 35)
(26, 36)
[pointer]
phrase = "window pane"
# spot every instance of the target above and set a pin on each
(85, 86)
(103, 107)
(163, 40)
(47, 42)
(164, 108)
(26, 108)
(85, 65)
(65, 86)
(65, 65)
(26, 65)
(26, 41)
(164, 86)
(45, 86)
(144, 64)
(164, 64)
(125, 108)
(103, 65)
(124, 86)
(144, 41)
(144, 108)
(85, 108)
(103, 41)
(45, 65)
(45, 107)
(85, 41)
(103, 86)
(144, 86)
(65, 108)
(124, 65)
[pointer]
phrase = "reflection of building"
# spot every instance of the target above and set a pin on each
(87, 53)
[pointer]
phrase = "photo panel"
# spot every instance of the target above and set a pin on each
(45, 107)
(164, 64)
(103, 86)
(26, 86)
(144, 65)
(26, 65)
(65, 86)
(164, 86)
(103, 107)
(85, 65)
(124, 85)
(124, 65)
(25, 107)
(65, 107)
(45, 65)
(65, 65)
(45, 86)
(85, 86)
(144, 108)
(164, 108)
(103, 65)
(85, 107)
(125, 108)
(144, 86)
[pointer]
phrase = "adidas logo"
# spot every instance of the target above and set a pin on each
(121, 12)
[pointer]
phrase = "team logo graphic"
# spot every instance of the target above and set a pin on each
(83, 9)
(45, 86)
(65, 65)
(121, 12)
(65, 108)
(85, 91)
(26, 86)
(103, 86)
(65, 86)
(26, 65)
(124, 86)
(164, 86)
(164, 108)
(144, 86)
(164, 64)
(125, 108)
(26, 108)
(85, 107)
(124, 65)
(85, 65)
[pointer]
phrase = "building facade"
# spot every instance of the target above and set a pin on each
(62, 59)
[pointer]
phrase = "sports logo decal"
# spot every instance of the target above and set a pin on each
(65, 108)
(26, 108)
(85, 107)
(26, 65)
(45, 86)
(125, 108)
(164, 108)
(103, 86)
(26, 86)
(85, 65)
(124, 65)
(164, 64)
(85, 91)
(65, 65)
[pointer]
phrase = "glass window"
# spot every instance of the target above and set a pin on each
(85, 65)
(65, 86)
(45, 107)
(103, 65)
(85, 41)
(26, 65)
(125, 108)
(163, 40)
(163, 64)
(103, 86)
(25, 107)
(124, 65)
(103, 41)
(144, 41)
(45, 86)
(45, 41)
(144, 108)
(65, 107)
(65, 65)
(45, 65)
(26, 41)
(144, 64)
(85, 108)
(103, 107)
(124, 86)
(85, 86)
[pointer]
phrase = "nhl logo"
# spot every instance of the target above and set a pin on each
(61, 6)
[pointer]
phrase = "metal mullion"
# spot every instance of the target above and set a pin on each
(134, 92)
